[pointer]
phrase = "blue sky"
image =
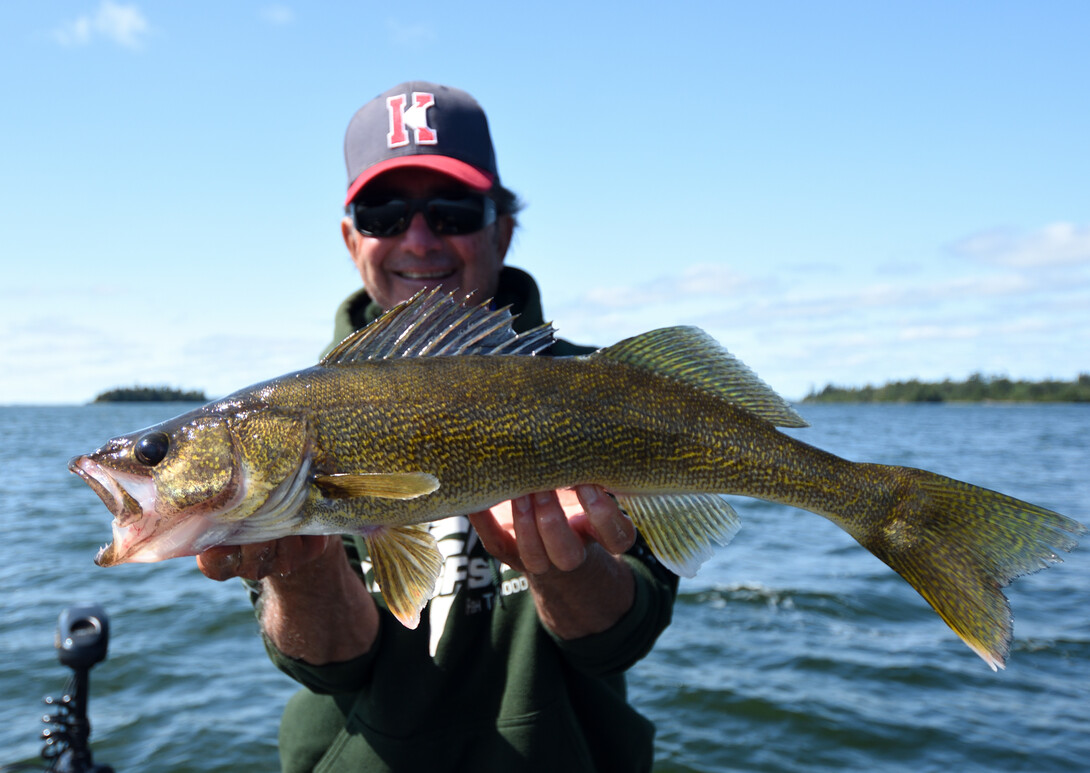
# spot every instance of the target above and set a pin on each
(846, 192)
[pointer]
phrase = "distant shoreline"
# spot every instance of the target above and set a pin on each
(151, 394)
(977, 389)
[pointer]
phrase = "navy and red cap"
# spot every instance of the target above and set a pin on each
(423, 125)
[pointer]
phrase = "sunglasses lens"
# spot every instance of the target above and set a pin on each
(445, 216)
(459, 216)
(386, 219)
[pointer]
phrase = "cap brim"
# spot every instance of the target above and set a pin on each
(464, 173)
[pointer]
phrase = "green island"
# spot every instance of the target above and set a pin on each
(977, 388)
(151, 394)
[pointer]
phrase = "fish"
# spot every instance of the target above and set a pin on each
(439, 408)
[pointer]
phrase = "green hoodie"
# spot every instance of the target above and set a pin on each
(481, 684)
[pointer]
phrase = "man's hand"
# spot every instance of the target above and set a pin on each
(263, 559)
(552, 529)
(313, 605)
(568, 546)
(566, 542)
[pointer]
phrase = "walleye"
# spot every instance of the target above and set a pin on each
(439, 408)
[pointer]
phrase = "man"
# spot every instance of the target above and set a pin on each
(523, 667)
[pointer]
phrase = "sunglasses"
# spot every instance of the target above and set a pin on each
(445, 215)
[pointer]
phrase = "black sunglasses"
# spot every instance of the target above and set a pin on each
(445, 215)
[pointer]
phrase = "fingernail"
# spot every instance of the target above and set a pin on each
(589, 494)
(522, 504)
(625, 529)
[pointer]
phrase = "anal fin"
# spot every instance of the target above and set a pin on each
(407, 562)
(681, 528)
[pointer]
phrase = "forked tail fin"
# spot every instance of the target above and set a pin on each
(958, 545)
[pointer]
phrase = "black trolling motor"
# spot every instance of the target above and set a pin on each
(83, 631)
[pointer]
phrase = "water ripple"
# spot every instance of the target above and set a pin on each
(792, 650)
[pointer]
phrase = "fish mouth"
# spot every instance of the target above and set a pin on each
(126, 510)
(117, 500)
(138, 531)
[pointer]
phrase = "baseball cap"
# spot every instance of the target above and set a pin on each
(420, 124)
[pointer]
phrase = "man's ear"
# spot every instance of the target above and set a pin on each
(350, 236)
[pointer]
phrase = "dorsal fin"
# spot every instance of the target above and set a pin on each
(432, 324)
(690, 355)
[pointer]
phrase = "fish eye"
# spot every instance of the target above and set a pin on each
(151, 448)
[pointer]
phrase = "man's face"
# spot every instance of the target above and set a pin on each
(394, 268)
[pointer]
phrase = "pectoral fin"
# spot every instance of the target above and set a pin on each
(680, 529)
(388, 485)
(407, 563)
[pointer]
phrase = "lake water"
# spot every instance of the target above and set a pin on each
(793, 649)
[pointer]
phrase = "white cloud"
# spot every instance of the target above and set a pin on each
(124, 25)
(1056, 244)
(696, 281)
(938, 333)
(278, 15)
(800, 328)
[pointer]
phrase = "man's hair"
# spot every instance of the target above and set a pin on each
(507, 201)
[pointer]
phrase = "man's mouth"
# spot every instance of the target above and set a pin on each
(426, 276)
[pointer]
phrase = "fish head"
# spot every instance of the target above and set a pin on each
(187, 484)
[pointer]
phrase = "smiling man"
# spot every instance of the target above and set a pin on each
(429, 209)
(424, 149)
(542, 604)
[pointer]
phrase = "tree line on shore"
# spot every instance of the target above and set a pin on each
(977, 388)
(151, 394)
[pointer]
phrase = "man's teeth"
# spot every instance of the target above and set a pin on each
(425, 274)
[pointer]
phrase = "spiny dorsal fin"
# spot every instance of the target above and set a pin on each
(433, 324)
(690, 355)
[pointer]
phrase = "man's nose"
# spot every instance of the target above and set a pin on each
(419, 239)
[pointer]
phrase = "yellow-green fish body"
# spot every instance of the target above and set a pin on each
(437, 410)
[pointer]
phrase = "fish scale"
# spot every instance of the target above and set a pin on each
(439, 409)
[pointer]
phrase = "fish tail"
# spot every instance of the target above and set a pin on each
(958, 545)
